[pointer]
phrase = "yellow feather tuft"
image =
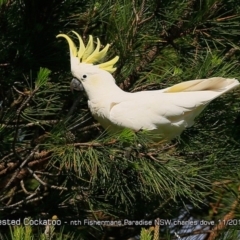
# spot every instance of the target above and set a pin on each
(109, 64)
(88, 54)
(89, 48)
(82, 49)
(72, 46)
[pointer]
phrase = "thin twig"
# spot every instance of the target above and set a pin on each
(18, 113)
(93, 144)
(135, 11)
(149, 57)
(95, 125)
(21, 166)
(44, 183)
(74, 106)
(156, 231)
(140, 14)
(24, 189)
(21, 93)
(47, 174)
(25, 201)
(146, 19)
(4, 64)
(146, 87)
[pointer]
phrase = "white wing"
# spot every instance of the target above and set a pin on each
(151, 109)
(167, 112)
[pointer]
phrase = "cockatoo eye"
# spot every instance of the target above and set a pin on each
(84, 76)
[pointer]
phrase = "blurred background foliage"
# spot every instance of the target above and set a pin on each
(56, 160)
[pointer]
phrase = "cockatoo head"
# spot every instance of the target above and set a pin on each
(82, 63)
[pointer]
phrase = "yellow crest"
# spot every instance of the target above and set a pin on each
(87, 54)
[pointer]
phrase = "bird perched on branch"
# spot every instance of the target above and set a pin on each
(164, 113)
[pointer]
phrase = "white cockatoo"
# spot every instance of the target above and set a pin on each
(164, 113)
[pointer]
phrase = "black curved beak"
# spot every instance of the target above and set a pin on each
(76, 85)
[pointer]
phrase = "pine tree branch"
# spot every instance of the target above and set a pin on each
(23, 163)
(152, 51)
(44, 183)
(223, 223)
(156, 235)
(18, 113)
(93, 144)
(4, 64)
(147, 59)
(24, 189)
(28, 200)
(95, 125)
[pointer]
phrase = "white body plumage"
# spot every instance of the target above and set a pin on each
(165, 113)
(162, 112)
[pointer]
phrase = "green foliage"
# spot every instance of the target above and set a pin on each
(42, 77)
(21, 233)
(55, 159)
(26, 233)
(146, 234)
(2, 2)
